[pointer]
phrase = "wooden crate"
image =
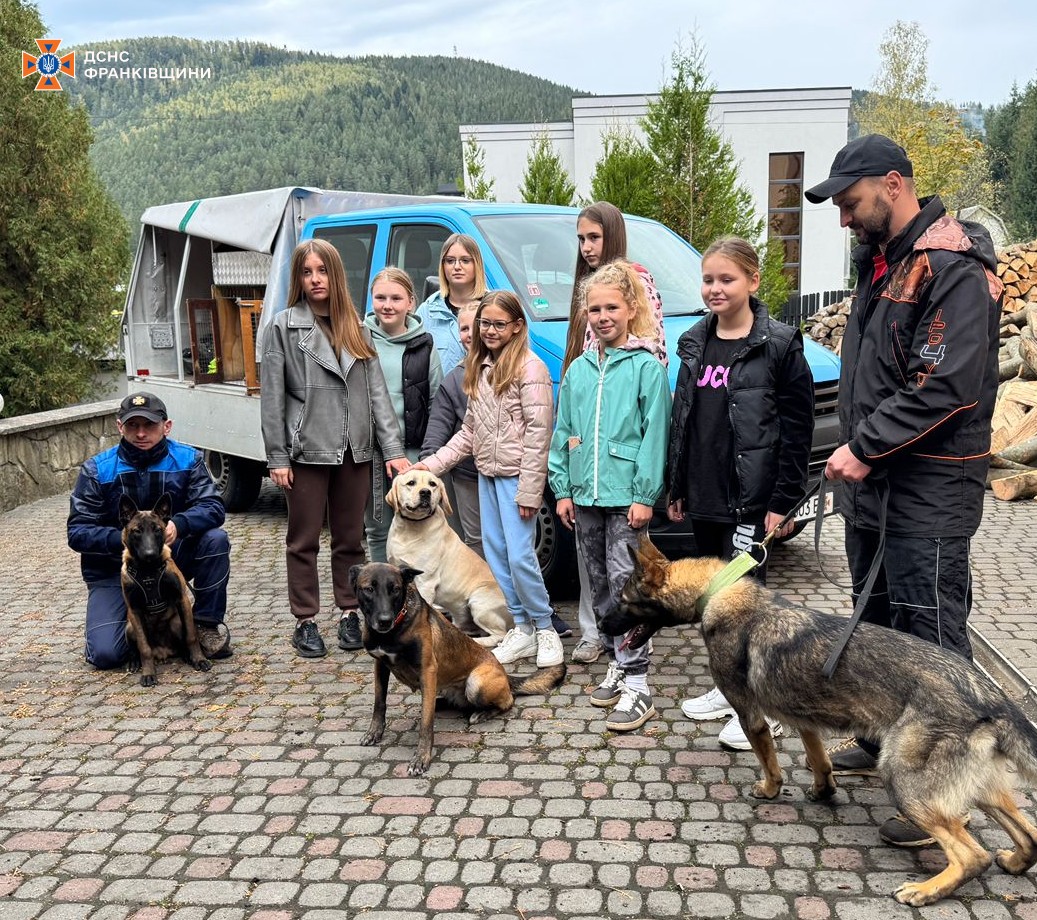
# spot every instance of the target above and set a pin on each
(249, 312)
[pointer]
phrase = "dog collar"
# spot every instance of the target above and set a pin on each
(741, 565)
(149, 585)
(400, 616)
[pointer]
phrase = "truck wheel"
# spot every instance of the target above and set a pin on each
(556, 552)
(238, 480)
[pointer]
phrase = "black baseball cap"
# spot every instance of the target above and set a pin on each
(144, 405)
(871, 155)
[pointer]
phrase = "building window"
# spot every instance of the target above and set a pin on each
(785, 209)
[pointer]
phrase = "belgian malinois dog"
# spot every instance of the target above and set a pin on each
(424, 650)
(159, 612)
(948, 734)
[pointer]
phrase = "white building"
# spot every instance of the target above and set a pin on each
(782, 139)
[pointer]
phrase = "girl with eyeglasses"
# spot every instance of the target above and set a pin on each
(462, 281)
(507, 428)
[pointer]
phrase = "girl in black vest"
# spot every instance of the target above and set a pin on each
(412, 372)
(741, 429)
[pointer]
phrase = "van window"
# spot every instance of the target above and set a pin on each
(538, 253)
(354, 244)
(415, 248)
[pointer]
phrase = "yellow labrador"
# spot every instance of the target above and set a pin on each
(453, 576)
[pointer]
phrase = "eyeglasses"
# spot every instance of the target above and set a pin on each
(498, 325)
(451, 261)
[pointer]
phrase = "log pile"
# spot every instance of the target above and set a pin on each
(1013, 466)
(828, 324)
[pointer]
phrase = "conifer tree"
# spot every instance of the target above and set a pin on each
(63, 247)
(546, 180)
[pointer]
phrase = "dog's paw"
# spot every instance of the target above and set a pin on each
(821, 793)
(917, 894)
(765, 789)
(482, 715)
(203, 665)
(147, 680)
(419, 765)
(372, 737)
(132, 665)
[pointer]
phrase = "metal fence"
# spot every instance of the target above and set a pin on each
(801, 306)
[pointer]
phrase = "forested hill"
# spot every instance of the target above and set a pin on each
(269, 117)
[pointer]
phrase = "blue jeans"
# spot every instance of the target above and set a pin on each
(204, 561)
(508, 544)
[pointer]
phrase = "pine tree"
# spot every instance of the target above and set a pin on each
(476, 185)
(698, 193)
(1022, 183)
(545, 180)
(64, 247)
(623, 175)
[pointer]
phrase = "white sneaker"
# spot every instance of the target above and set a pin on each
(732, 736)
(515, 645)
(609, 691)
(549, 648)
(712, 705)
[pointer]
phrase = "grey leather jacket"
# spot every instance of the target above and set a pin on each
(315, 406)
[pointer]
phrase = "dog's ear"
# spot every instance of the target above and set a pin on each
(444, 497)
(354, 574)
(127, 508)
(164, 507)
(392, 498)
(408, 574)
(650, 565)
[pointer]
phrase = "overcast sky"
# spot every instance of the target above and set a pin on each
(608, 46)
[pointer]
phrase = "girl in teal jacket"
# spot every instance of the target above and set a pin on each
(606, 465)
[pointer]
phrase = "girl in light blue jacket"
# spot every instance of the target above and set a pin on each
(606, 465)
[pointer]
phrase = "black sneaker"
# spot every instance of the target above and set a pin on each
(563, 629)
(307, 640)
(899, 831)
(850, 759)
(214, 638)
(349, 637)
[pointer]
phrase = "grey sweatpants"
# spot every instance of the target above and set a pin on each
(604, 537)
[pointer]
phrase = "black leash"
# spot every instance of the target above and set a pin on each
(869, 582)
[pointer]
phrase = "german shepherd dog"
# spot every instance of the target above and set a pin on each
(159, 613)
(408, 638)
(948, 734)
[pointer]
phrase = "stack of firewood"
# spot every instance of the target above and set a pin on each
(1013, 471)
(828, 324)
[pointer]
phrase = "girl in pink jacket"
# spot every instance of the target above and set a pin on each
(507, 429)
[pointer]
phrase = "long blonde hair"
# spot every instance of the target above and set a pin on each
(472, 248)
(622, 276)
(345, 321)
(507, 369)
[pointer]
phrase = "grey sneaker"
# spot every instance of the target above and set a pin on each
(610, 689)
(632, 711)
(587, 652)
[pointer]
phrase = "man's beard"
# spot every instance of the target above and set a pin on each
(875, 230)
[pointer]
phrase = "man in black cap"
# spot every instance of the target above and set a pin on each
(145, 464)
(916, 396)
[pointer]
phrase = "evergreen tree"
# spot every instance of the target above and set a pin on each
(546, 180)
(63, 246)
(623, 175)
(698, 193)
(1022, 183)
(477, 185)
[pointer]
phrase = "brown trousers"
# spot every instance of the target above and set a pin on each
(338, 494)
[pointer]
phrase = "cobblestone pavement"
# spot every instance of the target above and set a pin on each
(244, 793)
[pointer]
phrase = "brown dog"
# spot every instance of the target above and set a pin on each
(159, 613)
(408, 638)
(950, 738)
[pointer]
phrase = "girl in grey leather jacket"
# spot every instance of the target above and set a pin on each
(324, 408)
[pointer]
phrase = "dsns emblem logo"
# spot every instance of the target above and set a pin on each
(48, 65)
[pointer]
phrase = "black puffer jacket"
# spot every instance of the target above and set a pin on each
(771, 408)
(919, 377)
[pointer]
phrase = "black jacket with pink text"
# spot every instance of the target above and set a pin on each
(919, 377)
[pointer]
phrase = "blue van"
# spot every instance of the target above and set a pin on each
(531, 250)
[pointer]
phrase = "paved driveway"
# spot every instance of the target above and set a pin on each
(244, 793)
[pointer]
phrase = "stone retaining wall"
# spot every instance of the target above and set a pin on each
(40, 454)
